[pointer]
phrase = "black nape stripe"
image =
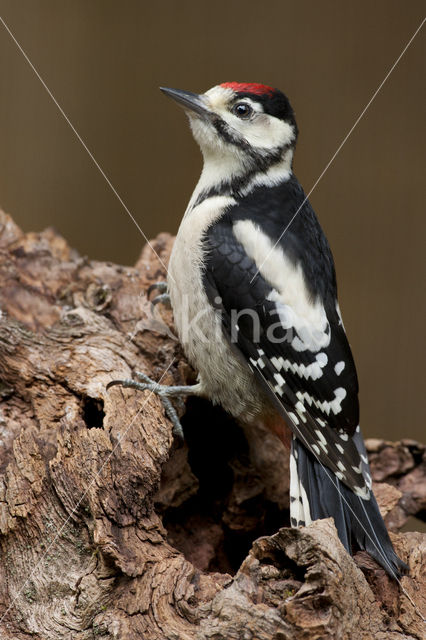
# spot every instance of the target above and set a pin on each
(225, 132)
(262, 161)
(259, 163)
(234, 186)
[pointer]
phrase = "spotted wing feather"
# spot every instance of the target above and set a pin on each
(235, 288)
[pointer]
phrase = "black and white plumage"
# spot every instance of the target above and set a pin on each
(253, 289)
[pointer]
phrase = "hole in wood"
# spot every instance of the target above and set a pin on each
(93, 412)
(212, 498)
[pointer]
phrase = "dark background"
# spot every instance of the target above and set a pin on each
(104, 61)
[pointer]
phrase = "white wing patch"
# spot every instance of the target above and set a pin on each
(307, 329)
(295, 307)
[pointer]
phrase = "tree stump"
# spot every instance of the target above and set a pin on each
(109, 528)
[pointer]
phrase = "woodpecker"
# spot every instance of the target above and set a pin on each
(253, 289)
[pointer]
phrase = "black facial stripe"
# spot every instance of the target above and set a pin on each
(234, 186)
(217, 190)
(258, 162)
(262, 161)
(225, 132)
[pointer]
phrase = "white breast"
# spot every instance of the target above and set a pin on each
(225, 379)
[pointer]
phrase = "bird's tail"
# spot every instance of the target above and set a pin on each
(315, 492)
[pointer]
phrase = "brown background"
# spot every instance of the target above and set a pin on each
(104, 61)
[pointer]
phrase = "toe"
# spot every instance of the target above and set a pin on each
(161, 287)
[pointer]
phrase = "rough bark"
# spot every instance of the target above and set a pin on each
(109, 528)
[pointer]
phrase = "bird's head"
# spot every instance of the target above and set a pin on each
(248, 124)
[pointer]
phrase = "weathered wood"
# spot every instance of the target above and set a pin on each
(110, 529)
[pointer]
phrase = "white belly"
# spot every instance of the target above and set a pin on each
(224, 378)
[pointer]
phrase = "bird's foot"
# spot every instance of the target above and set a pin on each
(162, 297)
(164, 392)
(161, 287)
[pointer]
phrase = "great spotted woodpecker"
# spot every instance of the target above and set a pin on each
(253, 289)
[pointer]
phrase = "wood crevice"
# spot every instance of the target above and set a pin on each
(109, 529)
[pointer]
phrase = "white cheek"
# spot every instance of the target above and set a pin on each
(269, 132)
(263, 131)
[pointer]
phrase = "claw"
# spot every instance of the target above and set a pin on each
(163, 391)
(174, 419)
(159, 286)
(163, 298)
(114, 383)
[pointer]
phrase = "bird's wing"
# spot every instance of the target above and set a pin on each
(296, 348)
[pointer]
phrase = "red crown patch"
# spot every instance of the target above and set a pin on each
(249, 87)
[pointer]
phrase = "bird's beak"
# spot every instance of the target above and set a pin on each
(189, 101)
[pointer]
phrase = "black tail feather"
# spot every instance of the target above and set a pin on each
(358, 521)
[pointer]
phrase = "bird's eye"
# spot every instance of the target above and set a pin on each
(242, 110)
